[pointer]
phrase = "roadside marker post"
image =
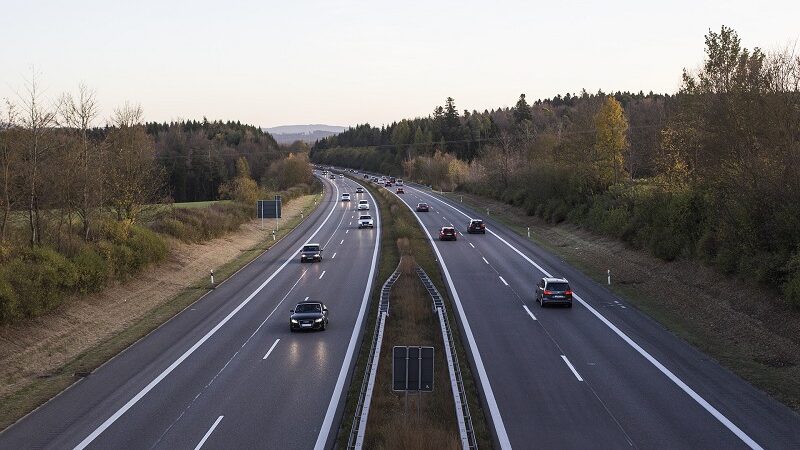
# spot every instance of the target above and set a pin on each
(529, 232)
(212, 278)
(609, 277)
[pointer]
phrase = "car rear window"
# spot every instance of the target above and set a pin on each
(448, 230)
(560, 287)
(365, 217)
(310, 248)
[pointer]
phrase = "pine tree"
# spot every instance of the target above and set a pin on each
(522, 111)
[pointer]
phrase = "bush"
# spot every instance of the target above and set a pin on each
(9, 301)
(92, 270)
(40, 278)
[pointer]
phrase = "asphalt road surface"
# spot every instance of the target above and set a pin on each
(598, 375)
(227, 372)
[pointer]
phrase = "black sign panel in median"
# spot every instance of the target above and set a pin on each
(268, 209)
(412, 368)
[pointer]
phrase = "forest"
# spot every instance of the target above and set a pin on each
(82, 205)
(711, 172)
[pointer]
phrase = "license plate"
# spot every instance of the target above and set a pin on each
(558, 296)
(305, 325)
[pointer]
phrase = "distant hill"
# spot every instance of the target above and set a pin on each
(286, 134)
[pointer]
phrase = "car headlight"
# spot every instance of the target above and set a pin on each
(294, 320)
(318, 320)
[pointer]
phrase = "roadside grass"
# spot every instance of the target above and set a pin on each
(21, 402)
(728, 319)
(398, 222)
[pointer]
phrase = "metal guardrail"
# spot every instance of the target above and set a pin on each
(359, 427)
(463, 415)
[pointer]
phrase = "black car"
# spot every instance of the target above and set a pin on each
(448, 234)
(311, 252)
(554, 291)
(309, 316)
(422, 207)
(476, 226)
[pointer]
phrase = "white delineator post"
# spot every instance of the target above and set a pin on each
(212, 277)
(609, 277)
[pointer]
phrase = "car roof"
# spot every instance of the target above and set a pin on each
(476, 220)
(311, 243)
(555, 280)
(448, 228)
(309, 303)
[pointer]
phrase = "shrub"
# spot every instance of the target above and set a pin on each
(9, 301)
(40, 277)
(92, 270)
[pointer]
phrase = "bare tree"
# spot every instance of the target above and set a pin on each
(37, 122)
(9, 165)
(79, 113)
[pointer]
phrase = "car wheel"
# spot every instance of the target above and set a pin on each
(291, 329)
(569, 305)
(323, 326)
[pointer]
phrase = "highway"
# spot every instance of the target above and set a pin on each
(227, 372)
(598, 375)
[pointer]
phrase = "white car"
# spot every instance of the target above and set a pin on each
(345, 197)
(359, 190)
(363, 204)
(365, 221)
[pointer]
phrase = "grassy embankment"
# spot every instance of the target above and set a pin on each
(727, 318)
(34, 394)
(411, 322)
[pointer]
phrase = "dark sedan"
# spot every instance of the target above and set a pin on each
(422, 207)
(309, 316)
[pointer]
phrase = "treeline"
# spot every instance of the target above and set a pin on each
(198, 157)
(82, 205)
(710, 172)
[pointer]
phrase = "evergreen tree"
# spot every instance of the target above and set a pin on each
(522, 111)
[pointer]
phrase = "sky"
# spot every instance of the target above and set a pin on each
(272, 63)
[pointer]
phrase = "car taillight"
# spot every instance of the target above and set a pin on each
(546, 292)
(568, 292)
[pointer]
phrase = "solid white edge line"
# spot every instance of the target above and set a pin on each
(569, 364)
(273, 346)
(497, 420)
(503, 280)
(208, 433)
(529, 312)
(122, 410)
(322, 275)
(327, 423)
(668, 373)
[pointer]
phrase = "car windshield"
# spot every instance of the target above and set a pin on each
(308, 308)
(560, 287)
(365, 217)
(310, 248)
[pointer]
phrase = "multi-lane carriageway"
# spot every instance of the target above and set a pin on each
(598, 375)
(227, 372)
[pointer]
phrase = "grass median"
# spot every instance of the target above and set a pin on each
(401, 235)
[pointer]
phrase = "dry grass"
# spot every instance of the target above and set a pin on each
(397, 420)
(747, 329)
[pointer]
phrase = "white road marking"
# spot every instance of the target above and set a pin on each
(327, 423)
(577, 375)
(351, 222)
(273, 345)
(108, 422)
(305, 299)
(529, 312)
(322, 275)
(346, 231)
(503, 280)
(484, 260)
(668, 373)
(342, 242)
(208, 433)
(334, 256)
(470, 244)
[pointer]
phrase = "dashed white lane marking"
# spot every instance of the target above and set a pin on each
(208, 433)
(470, 244)
(569, 364)
(484, 260)
(273, 345)
(503, 280)
(346, 231)
(529, 312)
(351, 222)
(322, 275)
(342, 242)
(334, 256)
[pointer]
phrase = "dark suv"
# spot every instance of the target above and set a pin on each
(447, 234)
(311, 252)
(309, 316)
(476, 226)
(556, 291)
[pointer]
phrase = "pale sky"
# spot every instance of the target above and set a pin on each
(274, 63)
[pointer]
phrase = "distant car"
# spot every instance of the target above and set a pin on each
(308, 316)
(311, 252)
(422, 207)
(400, 191)
(554, 291)
(366, 176)
(447, 234)
(476, 226)
(345, 197)
(399, 182)
(365, 221)
(333, 177)
(388, 184)
(359, 190)
(363, 205)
